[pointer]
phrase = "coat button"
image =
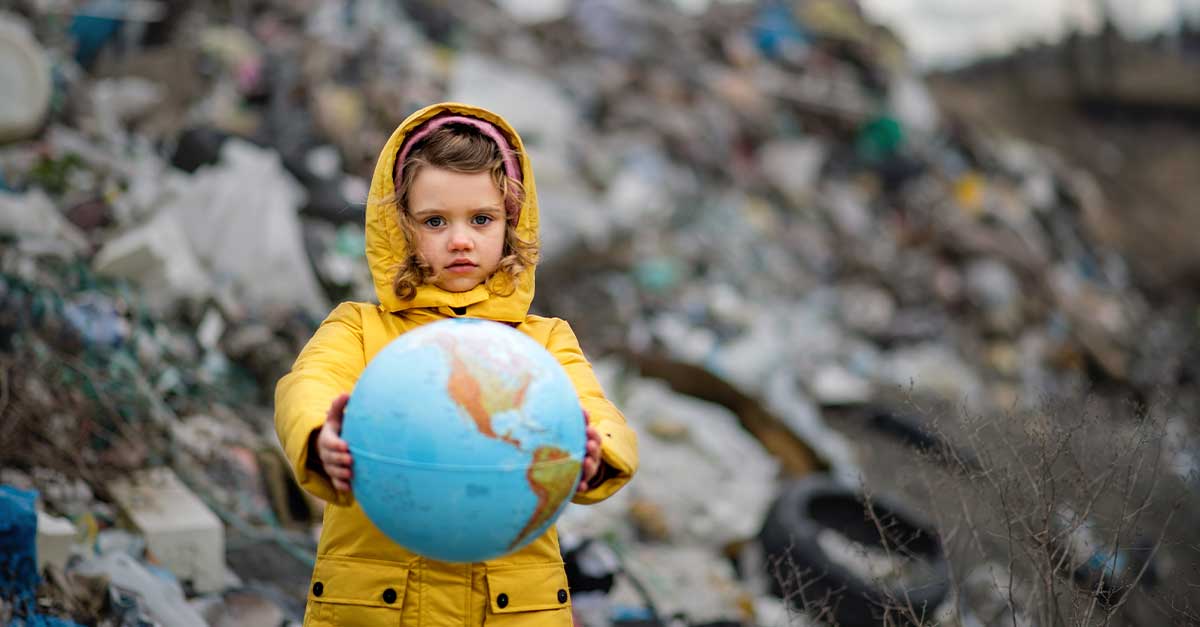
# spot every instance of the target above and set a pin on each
(502, 600)
(318, 589)
(389, 596)
(562, 595)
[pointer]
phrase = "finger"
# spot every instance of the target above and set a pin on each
(341, 486)
(343, 460)
(337, 461)
(586, 478)
(325, 448)
(587, 418)
(336, 411)
(334, 422)
(339, 472)
(338, 407)
(330, 440)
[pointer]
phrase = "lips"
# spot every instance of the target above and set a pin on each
(461, 265)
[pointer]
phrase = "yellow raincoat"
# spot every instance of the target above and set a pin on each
(362, 577)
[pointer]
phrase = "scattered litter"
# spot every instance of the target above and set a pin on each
(755, 213)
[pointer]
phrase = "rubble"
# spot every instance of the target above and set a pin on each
(753, 212)
(179, 530)
(55, 536)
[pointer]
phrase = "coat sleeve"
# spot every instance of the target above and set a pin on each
(329, 365)
(618, 441)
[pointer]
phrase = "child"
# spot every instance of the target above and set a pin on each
(451, 232)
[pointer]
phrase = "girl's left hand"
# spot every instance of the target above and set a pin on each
(591, 462)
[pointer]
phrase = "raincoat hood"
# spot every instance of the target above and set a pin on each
(386, 247)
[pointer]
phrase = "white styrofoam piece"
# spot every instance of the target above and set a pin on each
(179, 529)
(55, 535)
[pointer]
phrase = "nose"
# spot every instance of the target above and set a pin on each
(460, 240)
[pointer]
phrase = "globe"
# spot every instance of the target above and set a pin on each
(467, 439)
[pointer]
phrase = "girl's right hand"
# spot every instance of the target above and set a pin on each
(332, 449)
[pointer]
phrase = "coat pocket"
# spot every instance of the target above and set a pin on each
(351, 591)
(534, 596)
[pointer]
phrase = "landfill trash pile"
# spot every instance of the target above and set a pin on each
(762, 192)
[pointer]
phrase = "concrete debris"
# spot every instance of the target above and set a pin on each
(182, 533)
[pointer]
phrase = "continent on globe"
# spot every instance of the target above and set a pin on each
(551, 476)
(482, 393)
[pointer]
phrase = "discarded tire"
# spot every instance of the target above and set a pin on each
(804, 539)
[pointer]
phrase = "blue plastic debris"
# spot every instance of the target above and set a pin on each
(18, 546)
(94, 27)
(19, 577)
(776, 31)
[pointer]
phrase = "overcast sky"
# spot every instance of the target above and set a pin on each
(940, 32)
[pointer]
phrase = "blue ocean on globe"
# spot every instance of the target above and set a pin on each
(467, 438)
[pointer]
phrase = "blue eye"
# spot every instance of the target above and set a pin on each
(481, 220)
(435, 221)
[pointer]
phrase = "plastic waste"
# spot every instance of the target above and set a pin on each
(536, 11)
(94, 27)
(162, 599)
(158, 257)
(25, 73)
(777, 33)
(714, 455)
(97, 321)
(258, 254)
(33, 215)
(18, 559)
(1095, 564)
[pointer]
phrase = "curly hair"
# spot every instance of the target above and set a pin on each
(459, 148)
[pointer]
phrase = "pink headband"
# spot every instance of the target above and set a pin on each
(511, 167)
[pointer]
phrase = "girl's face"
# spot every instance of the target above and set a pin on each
(460, 225)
